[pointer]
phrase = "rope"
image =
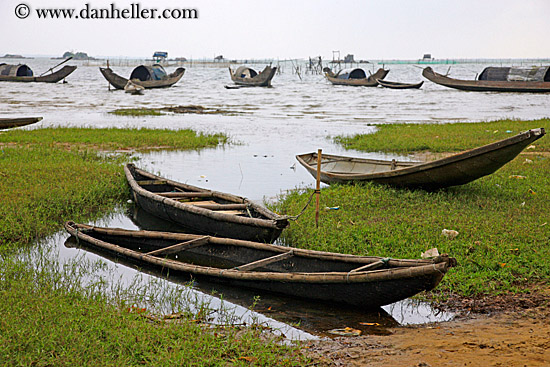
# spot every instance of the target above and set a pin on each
(295, 217)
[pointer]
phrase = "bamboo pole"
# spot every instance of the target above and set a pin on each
(318, 187)
(108, 83)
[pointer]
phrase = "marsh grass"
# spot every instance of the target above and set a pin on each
(136, 112)
(436, 138)
(113, 138)
(503, 221)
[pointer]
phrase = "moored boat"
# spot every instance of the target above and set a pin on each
(204, 211)
(249, 77)
(362, 281)
(498, 79)
(24, 74)
(399, 85)
(153, 76)
(8, 122)
(355, 77)
(457, 169)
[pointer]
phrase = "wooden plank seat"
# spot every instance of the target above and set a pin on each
(183, 195)
(180, 246)
(151, 182)
(266, 261)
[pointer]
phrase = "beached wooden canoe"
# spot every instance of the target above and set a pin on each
(457, 169)
(493, 79)
(146, 76)
(362, 281)
(8, 123)
(398, 85)
(204, 211)
(22, 73)
(355, 77)
(250, 78)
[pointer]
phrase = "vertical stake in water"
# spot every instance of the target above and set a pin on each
(318, 186)
(108, 83)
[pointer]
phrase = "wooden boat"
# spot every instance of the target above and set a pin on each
(146, 76)
(534, 80)
(355, 77)
(22, 73)
(361, 281)
(8, 123)
(398, 85)
(249, 77)
(457, 169)
(204, 211)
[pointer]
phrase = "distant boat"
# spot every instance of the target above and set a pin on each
(246, 76)
(355, 77)
(498, 79)
(133, 88)
(8, 123)
(23, 73)
(398, 85)
(204, 211)
(361, 281)
(457, 169)
(153, 76)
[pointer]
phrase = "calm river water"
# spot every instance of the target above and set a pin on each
(270, 126)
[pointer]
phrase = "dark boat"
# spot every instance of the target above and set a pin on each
(250, 78)
(146, 76)
(457, 169)
(23, 73)
(204, 211)
(355, 77)
(361, 281)
(398, 85)
(8, 123)
(498, 79)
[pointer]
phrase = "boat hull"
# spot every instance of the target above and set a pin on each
(307, 274)
(61, 74)
(120, 82)
(455, 170)
(371, 81)
(267, 227)
(260, 80)
(486, 85)
(8, 123)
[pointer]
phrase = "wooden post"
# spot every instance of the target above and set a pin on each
(318, 186)
(108, 83)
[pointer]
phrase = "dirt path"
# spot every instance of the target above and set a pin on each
(519, 338)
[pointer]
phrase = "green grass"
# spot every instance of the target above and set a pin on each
(114, 138)
(406, 138)
(503, 222)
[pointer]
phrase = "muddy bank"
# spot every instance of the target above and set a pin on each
(509, 338)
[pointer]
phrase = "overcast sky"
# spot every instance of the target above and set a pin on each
(243, 29)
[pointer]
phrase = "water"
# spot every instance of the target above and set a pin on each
(270, 126)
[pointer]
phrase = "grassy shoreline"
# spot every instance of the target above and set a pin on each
(50, 315)
(502, 219)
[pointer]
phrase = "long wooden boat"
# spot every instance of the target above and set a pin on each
(8, 123)
(361, 281)
(519, 84)
(398, 85)
(204, 211)
(355, 77)
(457, 169)
(145, 78)
(12, 75)
(250, 78)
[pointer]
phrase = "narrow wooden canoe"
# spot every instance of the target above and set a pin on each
(457, 169)
(120, 82)
(8, 123)
(249, 77)
(486, 85)
(61, 74)
(398, 85)
(362, 281)
(204, 211)
(370, 81)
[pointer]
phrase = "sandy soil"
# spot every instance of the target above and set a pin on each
(513, 338)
